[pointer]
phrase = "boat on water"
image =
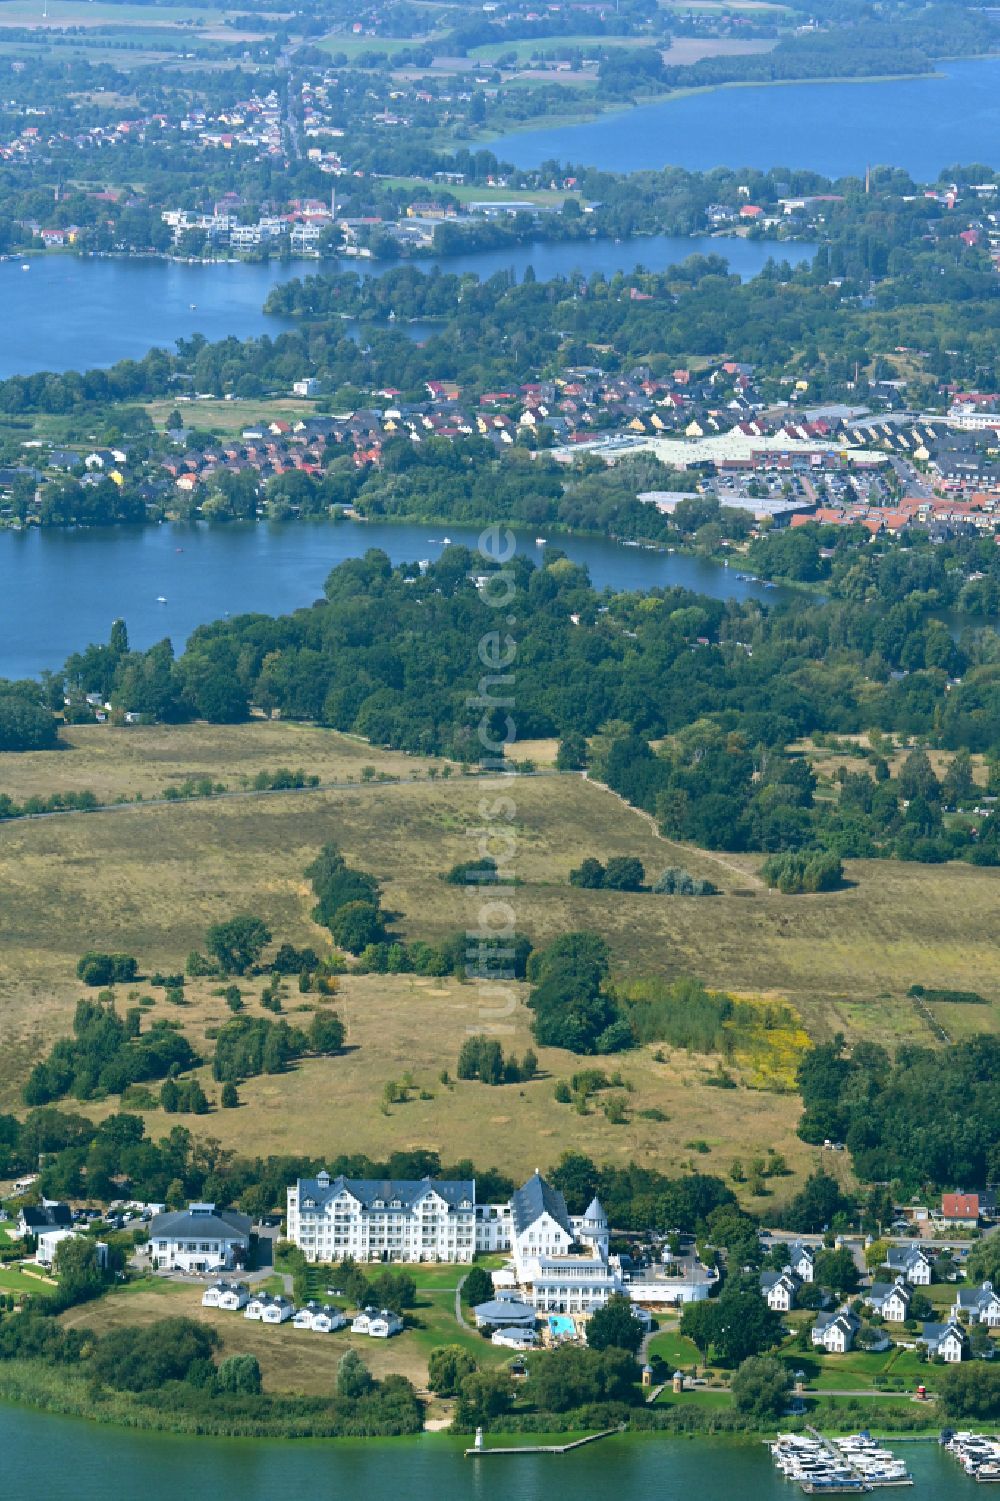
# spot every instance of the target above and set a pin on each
(25, 266)
(161, 599)
(539, 541)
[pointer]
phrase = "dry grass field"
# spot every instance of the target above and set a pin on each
(296, 1360)
(150, 879)
(145, 760)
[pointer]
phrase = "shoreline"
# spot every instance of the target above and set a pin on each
(23, 1385)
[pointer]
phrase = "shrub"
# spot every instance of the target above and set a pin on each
(675, 881)
(99, 969)
(796, 873)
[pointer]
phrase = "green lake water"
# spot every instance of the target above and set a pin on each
(68, 1460)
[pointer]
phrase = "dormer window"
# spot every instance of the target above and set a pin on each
(377, 1204)
(309, 1203)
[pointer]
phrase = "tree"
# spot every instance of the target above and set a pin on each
(230, 1096)
(240, 1375)
(238, 943)
(917, 779)
(326, 1032)
(354, 1379)
(970, 1391)
(837, 1270)
(589, 874)
(760, 1389)
(572, 752)
(614, 1325)
(736, 1324)
(814, 1206)
(357, 924)
(624, 873)
(78, 1269)
(447, 1368)
(483, 1396)
(478, 1286)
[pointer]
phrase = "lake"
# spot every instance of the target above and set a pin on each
(61, 589)
(70, 312)
(77, 1461)
(921, 124)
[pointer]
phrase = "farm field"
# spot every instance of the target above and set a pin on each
(151, 879)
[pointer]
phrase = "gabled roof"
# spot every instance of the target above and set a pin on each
(536, 1198)
(41, 1217)
(390, 1193)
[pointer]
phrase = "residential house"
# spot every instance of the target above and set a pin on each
(372, 1220)
(36, 1219)
(913, 1263)
(949, 1341)
(385, 1324)
(231, 1296)
(254, 1308)
(835, 1332)
(891, 1299)
(960, 1211)
(802, 1260)
(200, 1238)
(780, 1289)
(981, 1304)
(326, 1319)
(49, 1242)
(277, 1310)
(379, 1324)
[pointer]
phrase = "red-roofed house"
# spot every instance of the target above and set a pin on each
(960, 1211)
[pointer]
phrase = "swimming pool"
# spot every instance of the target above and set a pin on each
(560, 1326)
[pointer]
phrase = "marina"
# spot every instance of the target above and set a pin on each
(978, 1454)
(842, 1466)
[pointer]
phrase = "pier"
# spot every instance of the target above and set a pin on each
(479, 1452)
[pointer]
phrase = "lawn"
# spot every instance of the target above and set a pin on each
(674, 1350)
(12, 1280)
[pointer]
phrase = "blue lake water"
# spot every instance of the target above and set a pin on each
(60, 589)
(921, 124)
(71, 313)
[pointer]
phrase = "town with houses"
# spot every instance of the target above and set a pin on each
(551, 1270)
(784, 465)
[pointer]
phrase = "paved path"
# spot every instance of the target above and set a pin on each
(460, 1316)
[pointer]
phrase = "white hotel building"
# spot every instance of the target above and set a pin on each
(394, 1220)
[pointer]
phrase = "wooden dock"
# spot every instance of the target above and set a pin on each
(478, 1452)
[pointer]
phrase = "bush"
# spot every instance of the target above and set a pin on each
(98, 969)
(797, 873)
(675, 881)
(474, 873)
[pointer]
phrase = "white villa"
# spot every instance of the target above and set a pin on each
(780, 1289)
(560, 1261)
(891, 1299)
(912, 1262)
(200, 1238)
(399, 1220)
(267, 1310)
(378, 1324)
(834, 1332)
(950, 1341)
(232, 1296)
(982, 1304)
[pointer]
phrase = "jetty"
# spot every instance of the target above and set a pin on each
(478, 1451)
